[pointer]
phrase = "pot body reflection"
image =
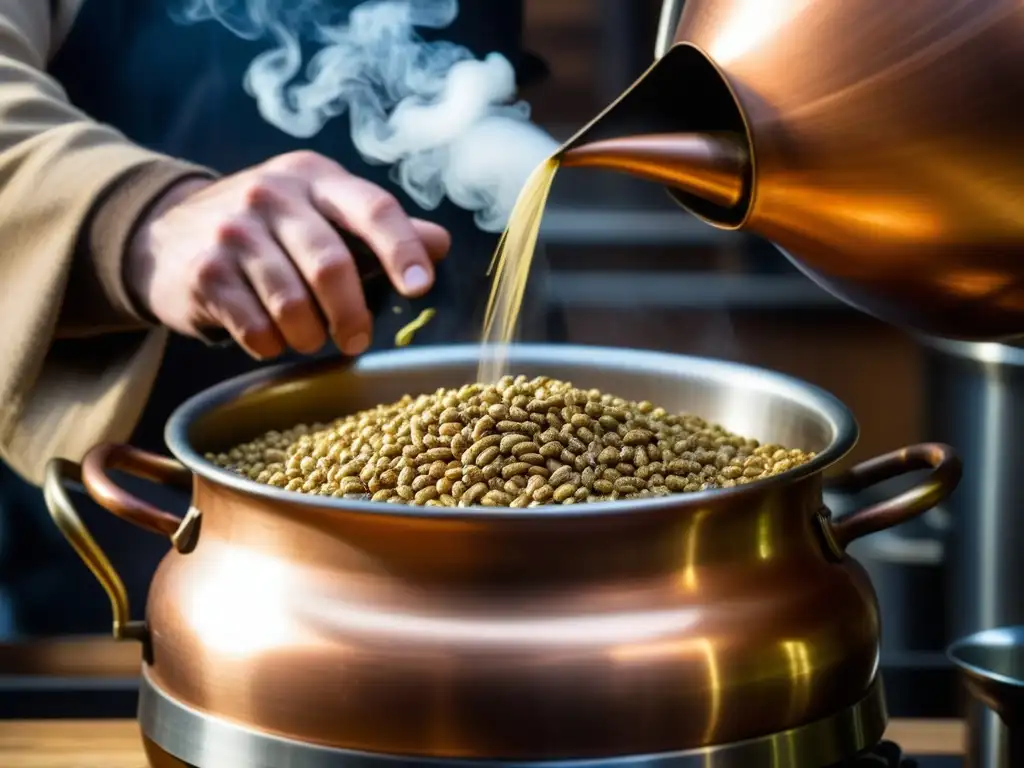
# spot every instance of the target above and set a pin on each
(627, 633)
(629, 627)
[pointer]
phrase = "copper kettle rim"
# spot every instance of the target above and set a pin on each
(267, 384)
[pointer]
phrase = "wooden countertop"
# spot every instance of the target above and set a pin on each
(116, 744)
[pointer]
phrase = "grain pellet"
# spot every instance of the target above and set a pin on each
(521, 443)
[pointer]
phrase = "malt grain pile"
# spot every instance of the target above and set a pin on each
(519, 443)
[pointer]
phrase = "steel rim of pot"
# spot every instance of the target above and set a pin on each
(831, 410)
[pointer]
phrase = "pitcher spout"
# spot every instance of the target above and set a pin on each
(693, 139)
(712, 166)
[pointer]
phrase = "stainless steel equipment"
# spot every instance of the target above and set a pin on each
(975, 401)
(724, 628)
(992, 663)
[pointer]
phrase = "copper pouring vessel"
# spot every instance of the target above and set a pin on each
(726, 624)
(878, 144)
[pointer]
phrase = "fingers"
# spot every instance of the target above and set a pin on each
(223, 295)
(278, 286)
(281, 275)
(238, 311)
(327, 267)
(377, 217)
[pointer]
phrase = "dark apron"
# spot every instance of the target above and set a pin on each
(178, 89)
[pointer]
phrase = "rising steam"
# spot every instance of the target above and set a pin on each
(445, 121)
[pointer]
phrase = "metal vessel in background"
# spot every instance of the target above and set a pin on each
(877, 144)
(725, 627)
(975, 401)
(992, 667)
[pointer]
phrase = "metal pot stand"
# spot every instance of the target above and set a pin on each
(179, 736)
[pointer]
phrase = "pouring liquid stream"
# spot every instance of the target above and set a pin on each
(511, 269)
(710, 166)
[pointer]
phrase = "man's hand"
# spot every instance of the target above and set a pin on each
(258, 254)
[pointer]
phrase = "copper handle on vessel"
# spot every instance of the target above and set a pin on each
(92, 473)
(108, 494)
(940, 482)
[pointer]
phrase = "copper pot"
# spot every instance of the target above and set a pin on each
(672, 626)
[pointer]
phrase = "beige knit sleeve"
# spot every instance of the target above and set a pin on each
(70, 192)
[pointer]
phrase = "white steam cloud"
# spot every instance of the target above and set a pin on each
(445, 121)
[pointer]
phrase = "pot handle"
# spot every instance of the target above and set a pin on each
(61, 474)
(159, 469)
(942, 481)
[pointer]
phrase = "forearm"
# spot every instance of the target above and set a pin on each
(70, 193)
(101, 301)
